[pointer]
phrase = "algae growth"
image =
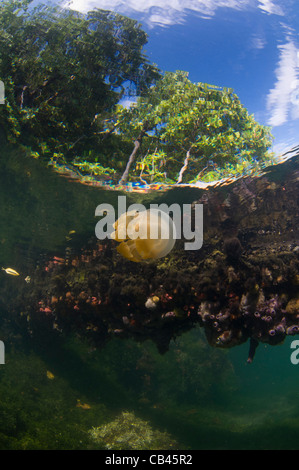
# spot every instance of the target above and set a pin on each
(127, 432)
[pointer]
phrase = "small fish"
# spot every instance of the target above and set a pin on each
(10, 271)
(28, 279)
(50, 375)
(84, 406)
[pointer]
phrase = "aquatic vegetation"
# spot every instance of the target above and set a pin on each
(105, 353)
(128, 432)
(241, 285)
(37, 413)
(293, 306)
(246, 272)
(145, 235)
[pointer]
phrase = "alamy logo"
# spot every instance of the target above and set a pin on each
(2, 353)
(2, 93)
(295, 354)
(139, 223)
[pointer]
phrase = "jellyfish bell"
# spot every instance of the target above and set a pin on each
(120, 226)
(144, 235)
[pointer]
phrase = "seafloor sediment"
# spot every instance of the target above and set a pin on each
(242, 284)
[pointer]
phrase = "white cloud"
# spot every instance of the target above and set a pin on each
(268, 6)
(258, 42)
(283, 99)
(168, 12)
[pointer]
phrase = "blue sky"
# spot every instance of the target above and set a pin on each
(251, 46)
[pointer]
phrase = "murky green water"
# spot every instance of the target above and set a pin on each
(54, 393)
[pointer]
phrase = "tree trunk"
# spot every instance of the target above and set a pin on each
(184, 167)
(137, 144)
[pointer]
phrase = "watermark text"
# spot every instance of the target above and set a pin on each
(2, 353)
(2, 92)
(295, 354)
(155, 223)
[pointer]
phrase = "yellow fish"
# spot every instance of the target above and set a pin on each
(50, 375)
(10, 271)
(85, 406)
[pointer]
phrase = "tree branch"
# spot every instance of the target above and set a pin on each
(184, 167)
(130, 161)
(137, 144)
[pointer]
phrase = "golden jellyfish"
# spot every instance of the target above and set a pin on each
(149, 234)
